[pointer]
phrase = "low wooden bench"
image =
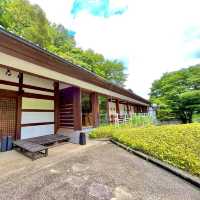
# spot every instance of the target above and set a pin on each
(48, 139)
(32, 148)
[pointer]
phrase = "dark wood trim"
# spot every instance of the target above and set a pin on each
(3, 82)
(19, 107)
(56, 106)
(107, 109)
(95, 109)
(117, 106)
(8, 93)
(37, 96)
(127, 106)
(36, 110)
(37, 124)
(37, 88)
(77, 108)
(19, 116)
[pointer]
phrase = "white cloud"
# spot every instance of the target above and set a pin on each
(151, 35)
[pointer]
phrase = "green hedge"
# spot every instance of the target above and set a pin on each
(178, 145)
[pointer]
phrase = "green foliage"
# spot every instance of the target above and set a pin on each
(139, 120)
(30, 22)
(196, 118)
(177, 145)
(103, 131)
(103, 114)
(177, 94)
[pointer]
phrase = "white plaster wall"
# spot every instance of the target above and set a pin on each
(38, 104)
(63, 86)
(12, 78)
(8, 87)
(37, 117)
(37, 81)
(35, 131)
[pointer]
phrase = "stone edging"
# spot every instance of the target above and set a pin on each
(180, 173)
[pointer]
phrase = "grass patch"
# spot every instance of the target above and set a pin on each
(196, 118)
(178, 145)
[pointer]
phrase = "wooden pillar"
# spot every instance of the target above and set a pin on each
(19, 107)
(117, 106)
(95, 109)
(108, 110)
(127, 104)
(77, 108)
(56, 106)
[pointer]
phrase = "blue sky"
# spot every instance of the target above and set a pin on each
(100, 8)
(151, 37)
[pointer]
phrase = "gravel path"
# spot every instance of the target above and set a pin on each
(99, 172)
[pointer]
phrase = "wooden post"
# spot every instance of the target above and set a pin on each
(56, 106)
(77, 109)
(19, 108)
(95, 109)
(108, 110)
(127, 104)
(117, 106)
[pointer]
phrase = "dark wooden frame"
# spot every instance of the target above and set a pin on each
(19, 94)
(4, 82)
(77, 109)
(37, 124)
(36, 110)
(56, 106)
(95, 109)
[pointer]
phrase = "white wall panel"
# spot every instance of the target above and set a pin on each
(39, 104)
(37, 117)
(35, 131)
(37, 81)
(12, 78)
(64, 86)
(8, 87)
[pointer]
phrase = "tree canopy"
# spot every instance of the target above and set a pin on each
(30, 22)
(177, 94)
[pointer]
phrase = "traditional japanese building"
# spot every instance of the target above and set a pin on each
(41, 93)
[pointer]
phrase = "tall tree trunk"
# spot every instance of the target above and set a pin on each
(183, 118)
(190, 117)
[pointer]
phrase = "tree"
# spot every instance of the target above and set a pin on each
(30, 22)
(177, 94)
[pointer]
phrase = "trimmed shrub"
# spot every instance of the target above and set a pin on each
(178, 145)
(103, 131)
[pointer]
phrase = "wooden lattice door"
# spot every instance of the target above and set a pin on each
(8, 117)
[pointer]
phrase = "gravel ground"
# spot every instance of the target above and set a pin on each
(98, 172)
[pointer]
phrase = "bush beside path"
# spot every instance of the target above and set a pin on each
(178, 145)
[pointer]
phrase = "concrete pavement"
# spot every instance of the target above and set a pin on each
(97, 171)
